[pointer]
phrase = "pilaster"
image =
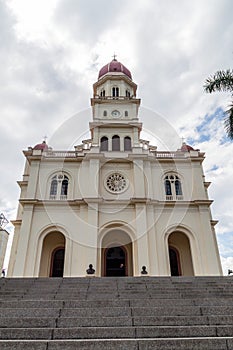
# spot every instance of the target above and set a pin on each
(142, 238)
(33, 179)
(153, 256)
(139, 182)
(209, 251)
(20, 267)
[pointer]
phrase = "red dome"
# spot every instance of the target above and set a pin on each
(114, 66)
(41, 146)
(187, 148)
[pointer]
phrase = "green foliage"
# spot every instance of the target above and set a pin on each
(223, 81)
(220, 81)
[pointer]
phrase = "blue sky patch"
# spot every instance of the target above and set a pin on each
(225, 242)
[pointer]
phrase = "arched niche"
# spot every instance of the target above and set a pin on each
(52, 255)
(180, 256)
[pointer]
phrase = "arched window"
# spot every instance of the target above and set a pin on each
(104, 143)
(126, 114)
(115, 92)
(53, 188)
(64, 186)
(178, 187)
(59, 187)
(173, 188)
(168, 188)
(127, 144)
(102, 93)
(127, 93)
(115, 143)
(105, 113)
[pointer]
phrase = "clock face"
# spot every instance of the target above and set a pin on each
(115, 113)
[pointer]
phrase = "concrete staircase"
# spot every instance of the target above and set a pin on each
(116, 313)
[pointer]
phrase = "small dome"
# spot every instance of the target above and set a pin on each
(187, 148)
(114, 66)
(41, 146)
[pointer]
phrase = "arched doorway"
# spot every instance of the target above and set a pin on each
(52, 255)
(116, 254)
(174, 262)
(180, 256)
(115, 258)
(57, 262)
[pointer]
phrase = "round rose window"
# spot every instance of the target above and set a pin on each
(116, 182)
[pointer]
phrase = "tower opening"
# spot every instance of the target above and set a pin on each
(127, 144)
(104, 144)
(116, 143)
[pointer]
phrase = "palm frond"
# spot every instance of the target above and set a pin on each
(229, 121)
(220, 81)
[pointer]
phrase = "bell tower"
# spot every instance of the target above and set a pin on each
(115, 125)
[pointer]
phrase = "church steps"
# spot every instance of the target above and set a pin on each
(116, 313)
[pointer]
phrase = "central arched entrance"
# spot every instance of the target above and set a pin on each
(116, 254)
(115, 258)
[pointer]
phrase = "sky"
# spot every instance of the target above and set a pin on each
(50, 55)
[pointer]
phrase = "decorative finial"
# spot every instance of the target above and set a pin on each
(182, 139)
(45, 139)
(114, 57)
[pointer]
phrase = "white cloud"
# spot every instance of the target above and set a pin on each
(227, 264)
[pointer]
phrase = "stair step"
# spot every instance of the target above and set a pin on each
(115, 332)
(122, 344)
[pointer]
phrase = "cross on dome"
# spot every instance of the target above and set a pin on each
(114, 57)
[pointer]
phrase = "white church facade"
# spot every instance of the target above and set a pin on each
(115, 201)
